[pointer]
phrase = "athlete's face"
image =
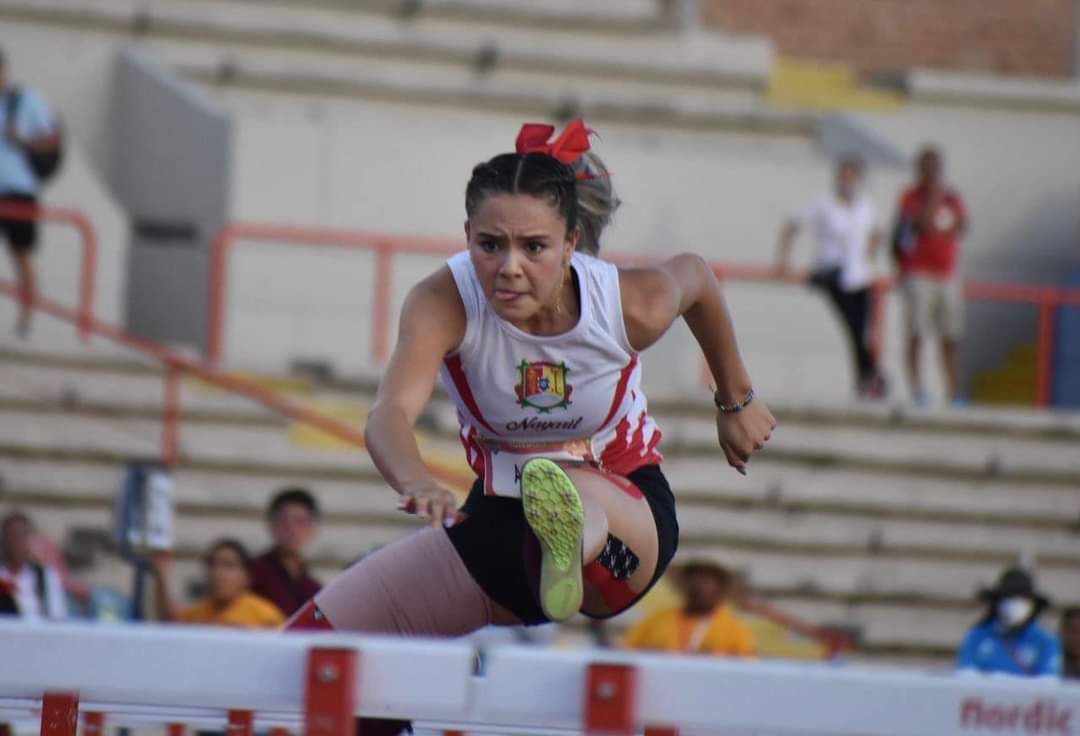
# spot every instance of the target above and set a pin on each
(521, 251)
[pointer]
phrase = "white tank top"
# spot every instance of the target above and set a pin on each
(585, 384)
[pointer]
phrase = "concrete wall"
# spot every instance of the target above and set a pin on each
(170, 166)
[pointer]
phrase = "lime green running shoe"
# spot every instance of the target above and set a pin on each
(556, 515)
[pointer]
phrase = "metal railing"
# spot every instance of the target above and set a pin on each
(88, 238)
(386, 247)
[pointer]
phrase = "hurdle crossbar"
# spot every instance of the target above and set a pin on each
(207, 678)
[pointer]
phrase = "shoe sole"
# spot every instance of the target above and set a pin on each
(554, 512)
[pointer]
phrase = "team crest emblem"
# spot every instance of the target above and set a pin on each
(542, 386)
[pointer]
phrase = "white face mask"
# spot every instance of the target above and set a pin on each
(1015, 610)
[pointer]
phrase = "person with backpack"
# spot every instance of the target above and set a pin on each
(31, 145)
(28, 589)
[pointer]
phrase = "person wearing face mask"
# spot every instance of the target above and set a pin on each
(1008, 639)
(847, 238)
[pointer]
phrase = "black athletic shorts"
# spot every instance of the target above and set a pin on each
(502, 554)
(21, 235)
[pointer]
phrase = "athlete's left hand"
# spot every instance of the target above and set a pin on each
(743, 433)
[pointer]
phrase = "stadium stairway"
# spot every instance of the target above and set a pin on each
(879, 520)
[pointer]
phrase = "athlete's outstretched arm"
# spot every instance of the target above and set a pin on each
(653, 298)
(432, 325)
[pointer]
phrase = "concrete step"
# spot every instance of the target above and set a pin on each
(528, 53)
(595, 16)
(1049, 461)
(892, 625)
(90, 369)
(858, 557)
(994, 507)
(974, 458)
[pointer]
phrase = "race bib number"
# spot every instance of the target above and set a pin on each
(503, 464)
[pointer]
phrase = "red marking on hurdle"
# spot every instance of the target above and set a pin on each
(610, 699)
(93, 724)
(59, 714)
(177, 729)
(330, 703)
(241, 723)
(661, 731)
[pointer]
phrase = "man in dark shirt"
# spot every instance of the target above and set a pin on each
(280, 574)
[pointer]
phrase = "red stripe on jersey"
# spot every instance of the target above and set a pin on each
(461, 382)
(625, 454)
(474, 454)
(614, 448)
(620, 390)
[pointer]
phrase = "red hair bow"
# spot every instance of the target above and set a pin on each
(567, 148)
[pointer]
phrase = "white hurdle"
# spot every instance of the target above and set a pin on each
(317, 683)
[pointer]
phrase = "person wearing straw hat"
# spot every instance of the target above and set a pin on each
(706, 622)
(1008, 639)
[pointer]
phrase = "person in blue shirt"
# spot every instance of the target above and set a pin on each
(26, 128)
(1009, 639)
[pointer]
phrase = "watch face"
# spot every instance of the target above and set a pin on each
(944, 219)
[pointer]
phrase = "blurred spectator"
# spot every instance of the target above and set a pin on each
(28, 588)
(30, 144)
(846, 237)
(1070, 642)
(705, 624)
(280, 574)
(229, 600)
(926, 242)
(1008, 639)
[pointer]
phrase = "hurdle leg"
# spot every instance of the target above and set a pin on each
(93, 724)
(241, 723)
(610, 699)
(59, 714)
(330, 702)
(661, 731)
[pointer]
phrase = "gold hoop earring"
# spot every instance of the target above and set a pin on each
(562, 285)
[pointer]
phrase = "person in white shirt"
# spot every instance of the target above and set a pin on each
(27, 589)
(847, 237)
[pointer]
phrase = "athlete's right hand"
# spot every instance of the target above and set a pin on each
(433, 502)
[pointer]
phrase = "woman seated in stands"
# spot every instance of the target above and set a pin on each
(228, 600)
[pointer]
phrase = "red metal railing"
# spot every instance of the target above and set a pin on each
(386, 247)
(1048, 300)
(88, 237)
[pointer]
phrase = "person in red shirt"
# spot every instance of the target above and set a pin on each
(280, 574)
(932, 220)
